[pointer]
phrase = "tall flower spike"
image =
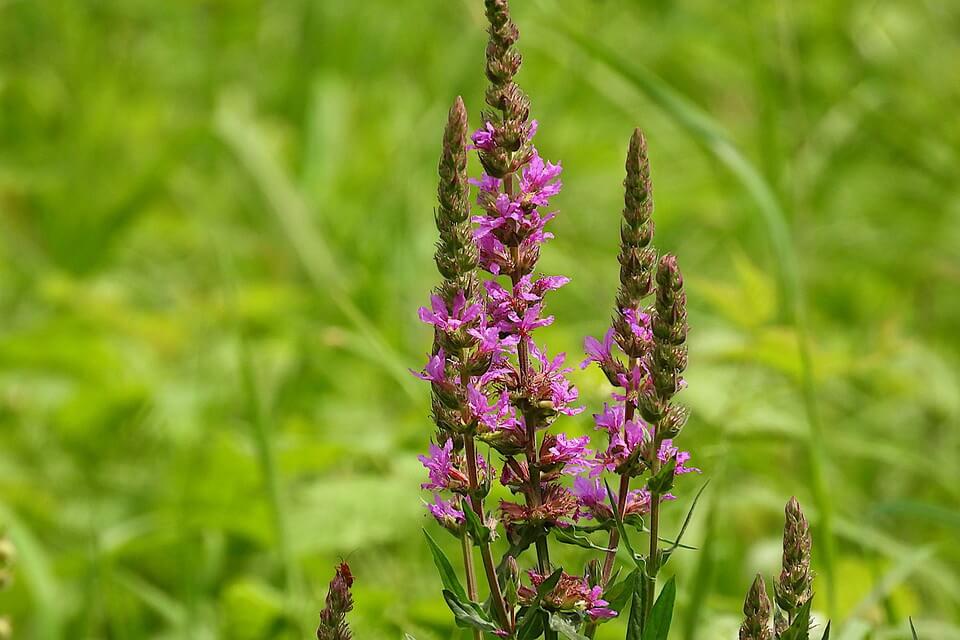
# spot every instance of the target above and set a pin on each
(668, 358)
(503, 62)
(637, 256)
(756, 613)
(795, 585)
(333, 618)
(456, 254)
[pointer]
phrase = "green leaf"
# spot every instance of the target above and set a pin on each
(548, 585)
(800, 629)
(590, 528)
(478, 532)
(569, 537)
(826, 633)
(620, 593)
(637, 559)
(564, 627)
(530, 621)
(531, 624)
(913, 630)
(469, 615)
(658, 626)
(447, 574)
(407, 636)
(663, 481)
(635, 623)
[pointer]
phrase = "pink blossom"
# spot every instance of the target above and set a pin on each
(483, 137)
(435, 371)
(451, 319)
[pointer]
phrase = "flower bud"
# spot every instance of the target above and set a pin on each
(756, 612)
(795, 584)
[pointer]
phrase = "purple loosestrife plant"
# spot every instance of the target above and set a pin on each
(495, 386)
(498, 396)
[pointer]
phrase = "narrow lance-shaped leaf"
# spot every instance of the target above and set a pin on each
(658, 626)
(468, 615)
(447, 573)
(569, 537)
(635, 622)
(800, 629)
(683, 528)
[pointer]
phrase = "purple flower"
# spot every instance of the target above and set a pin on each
(435, 371)
(625, 437)
(610, 419)
(639, 324)
(439, 464)
(592, 500)
(454, 318)
(486, 183)
(594, 503)
(494, 416)
(446, 514)
(445, 470)
(598, 608)
(530, 320)
(601, 353)
(553, 383)
(633, 380)
(548, 283)
(494, 255)
(668, 451)
(483, 137)
(532, 129)
(570, 452)
(539, 181)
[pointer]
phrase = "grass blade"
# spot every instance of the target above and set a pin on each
(244, 136)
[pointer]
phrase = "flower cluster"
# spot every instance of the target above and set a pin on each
(572, 594)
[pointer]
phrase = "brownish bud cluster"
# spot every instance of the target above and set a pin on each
(456, 254)
(756, 613)
(795, 585)
(333, 618)
(637, 256)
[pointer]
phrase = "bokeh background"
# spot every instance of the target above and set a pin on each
(216, 227)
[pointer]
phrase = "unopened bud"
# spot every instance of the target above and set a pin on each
(756, 613)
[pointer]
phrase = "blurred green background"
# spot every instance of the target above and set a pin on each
(216, 226)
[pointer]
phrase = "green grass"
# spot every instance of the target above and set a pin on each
(216, 226)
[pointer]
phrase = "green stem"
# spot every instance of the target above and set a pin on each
(496, 594)
(467, 547)
(653, 558)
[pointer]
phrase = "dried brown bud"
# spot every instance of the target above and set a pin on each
(756, 613)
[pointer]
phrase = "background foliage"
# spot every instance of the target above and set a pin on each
(215, 228)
